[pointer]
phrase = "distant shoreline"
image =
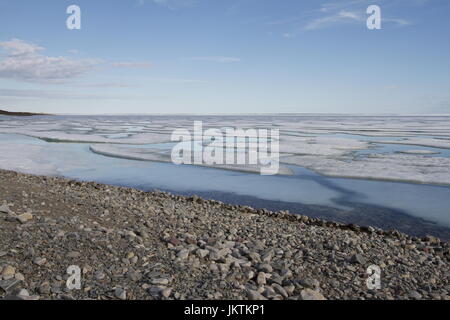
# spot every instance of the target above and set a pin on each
(3, 112)
(22, 114)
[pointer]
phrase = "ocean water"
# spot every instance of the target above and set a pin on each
(417, 209)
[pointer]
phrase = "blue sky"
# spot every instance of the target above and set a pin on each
(225, 56)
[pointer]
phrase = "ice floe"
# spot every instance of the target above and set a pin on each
(426, 142)
(29, 159)
(335, 145)
(320, 145)
(390, 167)
(150, 154)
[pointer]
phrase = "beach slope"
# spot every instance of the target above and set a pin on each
(131, 244)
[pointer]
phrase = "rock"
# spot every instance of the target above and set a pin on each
(289, 289)
(20, 297)
(275, 278)
(261, 278)
(134, 275)
(254, 295)
(217, 255)
(5, 209)
(174, 241)
(202, 253)
(279, 289)
(309, 294)
(254, 256)
(23, 292)
(358, 258)
(44, 288)
(286, 273)
(166, 292)
(267, 257)
(30, 252)
(213, 267)
(249, 274)
(269, 293)
(431, 239)
(8, 271)
(39, 261)
(414, 295)
(99, 275)
(223, 267)
(155, 291)
(24, 217)
(120, 294)
(19, 276)
(8, 285)
(55, 288)
(159, 281)
(183, 254)
(73, 254)
(87, 269)
(309, 283)
(265, 267)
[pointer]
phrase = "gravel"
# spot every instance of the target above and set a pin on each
(131, 244)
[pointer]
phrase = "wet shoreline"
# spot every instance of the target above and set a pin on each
(358, 213)
(135, 245)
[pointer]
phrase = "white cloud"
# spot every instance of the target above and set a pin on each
(25, 62)
(344, 4)
(399, 22)
(338, 12)
(347, 16)
(340, 17)
(16, 47)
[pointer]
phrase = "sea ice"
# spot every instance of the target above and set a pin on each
(327, 144)
(425, 142)
(26, 159)
(149, 154)
(390, 167)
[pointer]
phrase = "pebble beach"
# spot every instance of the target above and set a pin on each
(135, 245)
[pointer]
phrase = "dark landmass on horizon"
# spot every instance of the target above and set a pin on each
(21, 114)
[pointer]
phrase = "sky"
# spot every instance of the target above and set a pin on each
(225, 56)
